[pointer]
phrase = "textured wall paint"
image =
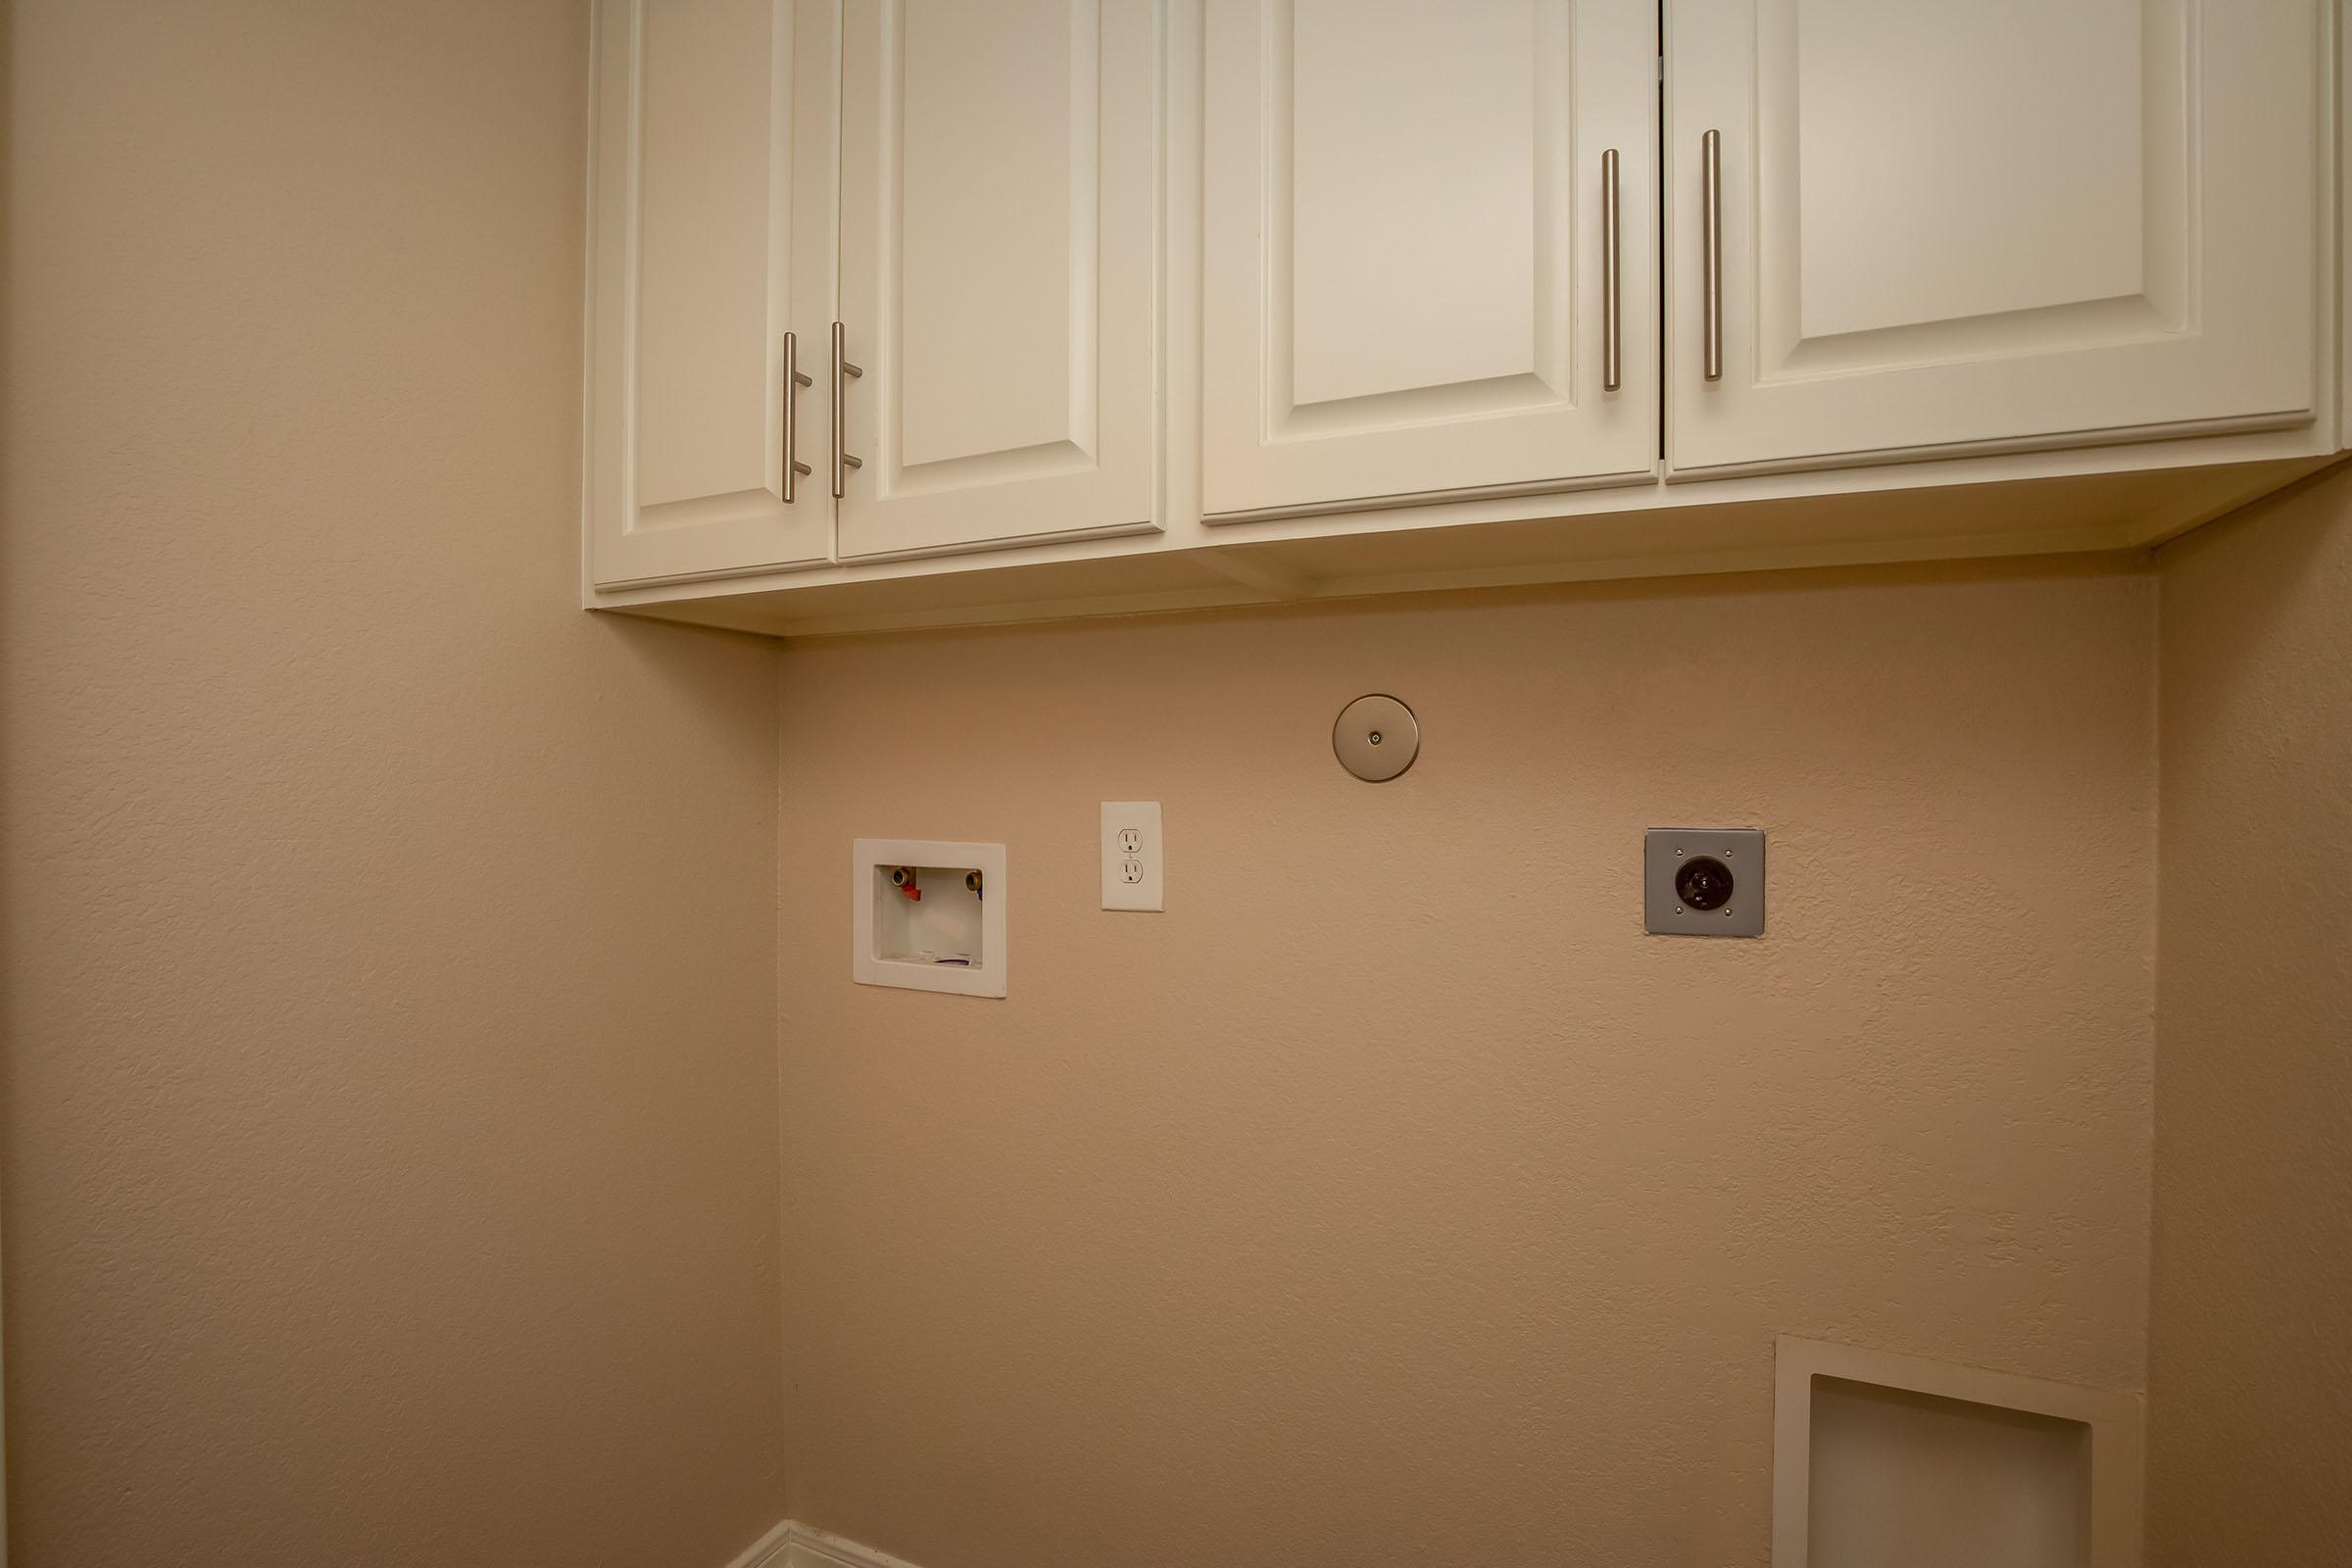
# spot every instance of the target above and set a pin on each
(2250, 1368)
(391, 1152)
(1393, 1196)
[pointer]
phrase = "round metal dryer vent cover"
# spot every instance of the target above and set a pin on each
(1376, 738)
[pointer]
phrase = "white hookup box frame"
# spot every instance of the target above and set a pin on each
(950, 939)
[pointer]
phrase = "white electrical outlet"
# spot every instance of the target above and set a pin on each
(1131, 870)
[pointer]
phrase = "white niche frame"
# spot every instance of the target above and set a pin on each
(2113, 1423)
(867, 967)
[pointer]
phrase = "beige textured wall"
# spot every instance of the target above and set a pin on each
(1393, 1196)
(390, 1140)
(2250, 1372)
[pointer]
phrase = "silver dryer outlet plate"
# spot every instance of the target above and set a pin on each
(1703, 881)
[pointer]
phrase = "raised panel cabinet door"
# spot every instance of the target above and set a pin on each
(1410, 281)
(1000, 272)
(699, 121)
(2003, 225)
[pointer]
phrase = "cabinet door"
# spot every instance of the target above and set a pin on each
(1999, 223)
(692, 287)
(1404, 274)
(1000, 238)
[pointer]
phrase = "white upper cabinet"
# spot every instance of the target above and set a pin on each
(691, 291)
(1163, 303)
(1406, 271)
(2002, 223)
(1001, 177)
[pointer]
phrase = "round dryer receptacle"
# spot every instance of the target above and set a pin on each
(1703, 883)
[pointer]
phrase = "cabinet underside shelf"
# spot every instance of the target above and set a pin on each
(1655, 532)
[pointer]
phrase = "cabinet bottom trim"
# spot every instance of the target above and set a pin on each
(1434, 497)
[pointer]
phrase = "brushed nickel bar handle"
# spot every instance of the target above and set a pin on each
(794, 469)
(1710, 226)
(1612, 368)
(843, 370)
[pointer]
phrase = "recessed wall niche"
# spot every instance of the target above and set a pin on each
(1893, 1461)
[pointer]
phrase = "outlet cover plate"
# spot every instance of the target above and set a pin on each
(1667, 850)
(1132, 875)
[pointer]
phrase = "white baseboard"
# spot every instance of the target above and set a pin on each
(797, 1545)
(769, 1550)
